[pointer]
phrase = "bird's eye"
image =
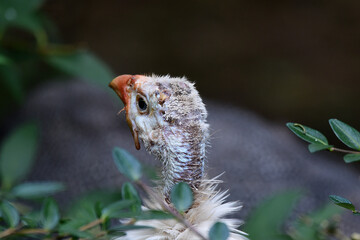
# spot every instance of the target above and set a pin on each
(141, 104)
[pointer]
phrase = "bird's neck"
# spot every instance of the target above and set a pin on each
(183, 158)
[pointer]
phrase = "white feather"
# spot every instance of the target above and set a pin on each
(208, 208)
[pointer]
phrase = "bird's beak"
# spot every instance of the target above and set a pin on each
(120, 85)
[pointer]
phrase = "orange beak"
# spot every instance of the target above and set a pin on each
(121, 85)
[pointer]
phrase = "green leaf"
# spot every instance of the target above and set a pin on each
(181, 196)
(22, 6)
(123, 228)
(32, 219)
(17, 154)
(85, 65)
(352, 157)
(50, 214)
(4, 60)
(84, 207)
(154, 214)
(98, 207)
(347, 134)
(75, 232)
(129, 192)
(114, 209)
(22, 14)
(314, 147)
(342, 202)
(219, 231)
(37, 189)
(302, 230)
(9, 214)
(270, 215)
(10, 74)
(308, 134)
(127, 164)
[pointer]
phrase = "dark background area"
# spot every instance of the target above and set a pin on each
(286, 60)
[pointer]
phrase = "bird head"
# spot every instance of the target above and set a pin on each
(169, 117)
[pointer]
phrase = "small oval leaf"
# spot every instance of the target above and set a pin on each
(127, 164)
(83, 64)
(113, 209)
(314, 147)
(124, 228)
(9, 214)
(219, 231)
(50, 214)
(17, 154)
(37, 189)
(154, 214)
(129, 192)
(342, 202)
(352, 157)
(347, 134)
(181, 196)
(308, 134)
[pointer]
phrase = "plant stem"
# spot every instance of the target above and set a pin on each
(343, 150)
(7, 232)
(33, 231)
(91, 224)
(172, 211)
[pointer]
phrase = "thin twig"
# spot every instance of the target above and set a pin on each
(7, 232)
(343, 150)
(91, 224)
(33, 231)
(172, 211)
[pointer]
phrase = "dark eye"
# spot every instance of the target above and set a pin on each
(142, 104)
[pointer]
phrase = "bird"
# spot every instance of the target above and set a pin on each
(169, 117)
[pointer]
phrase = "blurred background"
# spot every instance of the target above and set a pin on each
(285, 61)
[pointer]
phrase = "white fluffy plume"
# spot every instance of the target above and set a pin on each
(208, 208)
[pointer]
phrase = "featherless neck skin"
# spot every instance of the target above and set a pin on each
(182, 156)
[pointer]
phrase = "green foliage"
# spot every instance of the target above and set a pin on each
(82, 64)
(50, 214)
(343, 202)
(315, 147)
(351, 157)
(129, 192)
(270, 216)
(181, 196)
(308, 134)
(116, 209)
(24, 15)
(345, 133)
(9, 214)
(127, 164)
(17, 154)
(264, 224)
(33, 190)
(22, 57)
(317, 225)
(154, 214)
(219, 231)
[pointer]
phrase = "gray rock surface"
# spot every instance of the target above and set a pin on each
(80, 126)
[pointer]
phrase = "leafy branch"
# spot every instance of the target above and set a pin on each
(346, 134)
